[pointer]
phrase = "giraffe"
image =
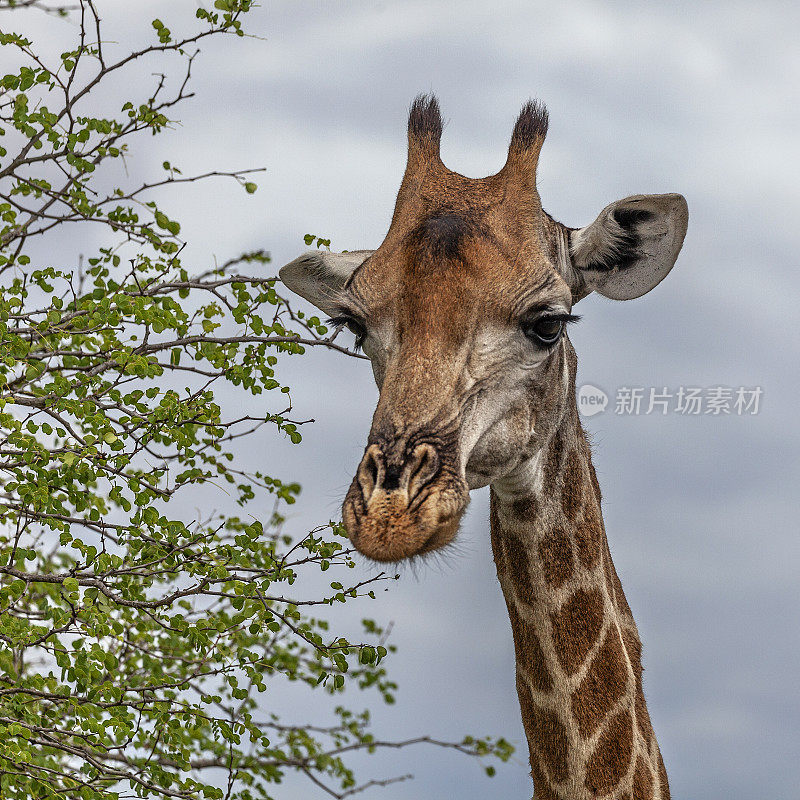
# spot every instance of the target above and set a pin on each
(463, 311)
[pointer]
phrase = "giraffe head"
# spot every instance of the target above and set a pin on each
(462, 312)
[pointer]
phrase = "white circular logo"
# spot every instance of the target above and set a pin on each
(591, 400)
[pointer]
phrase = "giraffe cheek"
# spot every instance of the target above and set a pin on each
(499, 450)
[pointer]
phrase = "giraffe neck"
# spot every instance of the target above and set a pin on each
(578, 655)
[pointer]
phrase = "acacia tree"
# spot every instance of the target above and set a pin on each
(135, 634)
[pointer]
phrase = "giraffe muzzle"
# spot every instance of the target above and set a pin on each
(401, 507)
(409, 477)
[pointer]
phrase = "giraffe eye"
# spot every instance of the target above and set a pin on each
(353, 325)
(545, 331)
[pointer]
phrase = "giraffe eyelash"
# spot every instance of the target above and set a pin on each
(352, 324)
(563, 317)
(538, 327)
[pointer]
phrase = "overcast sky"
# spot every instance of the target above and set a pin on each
(701, 511)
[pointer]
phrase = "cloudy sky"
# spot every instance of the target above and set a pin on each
(701, 511)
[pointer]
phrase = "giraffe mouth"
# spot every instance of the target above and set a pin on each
(392, 517)
(386, 531)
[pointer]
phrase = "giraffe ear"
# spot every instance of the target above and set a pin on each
(319, 276)
(631, 246)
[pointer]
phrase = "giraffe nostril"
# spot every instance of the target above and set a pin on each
(410, 476)
(422, 468)
(370, 471)
(372, 468)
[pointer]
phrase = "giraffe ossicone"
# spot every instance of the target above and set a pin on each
(463, 310)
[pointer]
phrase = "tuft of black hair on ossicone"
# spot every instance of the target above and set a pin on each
(425, 120)
(531, 126)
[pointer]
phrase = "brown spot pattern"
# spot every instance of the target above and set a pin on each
(552, 745)
(572, 493)
(642, 714)
(610, 760)
(595, 484)
(552, 466)
(642, 781)
(634, 649)
(576, 626)
(547, 735)
(541, 788)
(529, 651)
(555, 552)
(662, 778)
(524, 508)
(604, 684)
(588, 536)
(517, 564)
